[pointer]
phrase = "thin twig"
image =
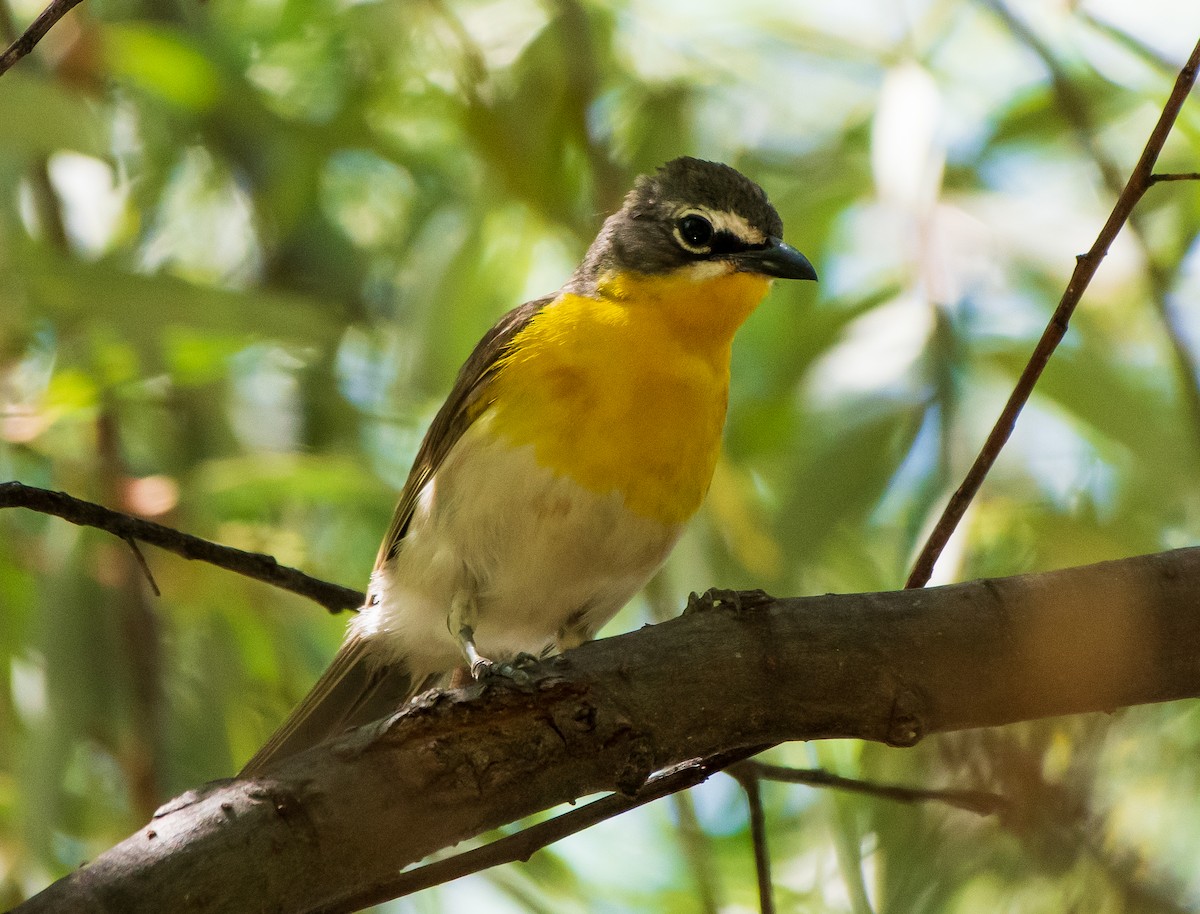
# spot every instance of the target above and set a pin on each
(255, 565)
(140, 649)
(524, 844)
(980, 802)
(1072, 102)
(1175, 176)
(143, 565)
(35, 33)
(1076, 111)
(1085, 268)
(697, 849)
(747, 776)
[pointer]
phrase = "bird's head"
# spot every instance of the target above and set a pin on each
(697, 219)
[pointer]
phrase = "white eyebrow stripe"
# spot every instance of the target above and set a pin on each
(725, 221)
(737, 226)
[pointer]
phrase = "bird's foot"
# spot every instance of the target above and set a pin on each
(737, 600)
(479, 664)
(516, 671)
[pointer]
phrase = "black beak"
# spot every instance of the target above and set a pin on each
(775, 258)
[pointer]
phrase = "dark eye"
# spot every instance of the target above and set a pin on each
(694, 232)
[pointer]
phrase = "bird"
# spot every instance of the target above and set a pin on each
(579, 437)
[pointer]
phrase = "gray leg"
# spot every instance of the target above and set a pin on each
(479, 663)
(463, 614)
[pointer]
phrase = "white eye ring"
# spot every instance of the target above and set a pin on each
(694, 231)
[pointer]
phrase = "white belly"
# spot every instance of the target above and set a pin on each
(537, 553)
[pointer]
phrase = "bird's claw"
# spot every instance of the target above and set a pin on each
(515, 671)
(737, 600)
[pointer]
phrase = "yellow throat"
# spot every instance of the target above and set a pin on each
(627, 391)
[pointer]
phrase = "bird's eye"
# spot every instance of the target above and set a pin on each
(694, 232)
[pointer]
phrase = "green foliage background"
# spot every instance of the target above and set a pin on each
(244, 245)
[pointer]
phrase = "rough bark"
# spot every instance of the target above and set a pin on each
(891, 667)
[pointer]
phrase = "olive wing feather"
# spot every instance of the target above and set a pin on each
(462, 407)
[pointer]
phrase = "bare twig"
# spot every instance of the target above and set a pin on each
(748, 777)
(525, 843)
(140, 649)
(1074, 107)
(255, 565)
(980, 802)
(35, 33)
(698, 852)
(1085, 269)
(1175, 176)
(143, 565)
(47, 206)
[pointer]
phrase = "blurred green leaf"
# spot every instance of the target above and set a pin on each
(162, 62)
(41, 117)
(85, 297)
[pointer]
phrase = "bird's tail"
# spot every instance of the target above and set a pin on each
(355, 690)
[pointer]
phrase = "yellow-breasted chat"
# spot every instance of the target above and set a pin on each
(580, 436)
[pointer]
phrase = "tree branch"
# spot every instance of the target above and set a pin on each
(255, 565)
(980, 802)
(1086, 265)
(892, 667)
(1175, 176)
(698, 852)
(525, 843)
(751, 783)
(36, 32)
(1073, 104)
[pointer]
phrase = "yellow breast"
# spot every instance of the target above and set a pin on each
(627, 391)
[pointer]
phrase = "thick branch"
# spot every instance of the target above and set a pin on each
(524, 844)
(890, 667)
(251, 564)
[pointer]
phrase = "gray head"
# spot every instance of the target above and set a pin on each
(691, 212)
